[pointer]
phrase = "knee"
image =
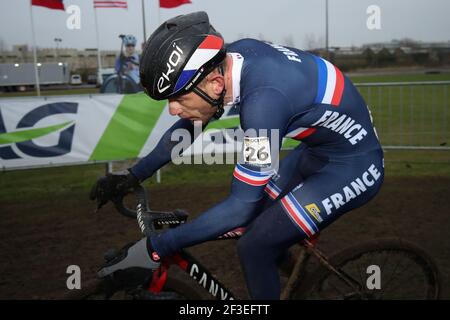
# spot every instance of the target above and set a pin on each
(247, 247)
(253, 247)
(243, 246)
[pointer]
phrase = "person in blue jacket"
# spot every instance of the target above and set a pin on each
(128, 62)
(279, 92)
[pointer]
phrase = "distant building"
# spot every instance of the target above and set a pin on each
(405, 52)
(77, 59)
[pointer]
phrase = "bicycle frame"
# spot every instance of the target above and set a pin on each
(204, 278)
(147, 221)
(195, 270)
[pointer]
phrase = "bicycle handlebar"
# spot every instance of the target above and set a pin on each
(149, 221)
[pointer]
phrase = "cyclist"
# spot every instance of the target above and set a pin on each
(128, 62)
(278, 90)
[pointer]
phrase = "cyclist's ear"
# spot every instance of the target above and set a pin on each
(214, 80)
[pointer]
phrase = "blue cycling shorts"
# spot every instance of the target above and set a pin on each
(315, 189)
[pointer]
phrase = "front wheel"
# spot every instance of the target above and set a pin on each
(381, 269)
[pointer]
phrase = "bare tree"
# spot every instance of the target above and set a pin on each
(3, 46)
(408, 42)
(289, 41)
(311, 42)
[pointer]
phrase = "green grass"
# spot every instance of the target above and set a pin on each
(402, 116)
(401, 77)
(73, 181)
(410, 115)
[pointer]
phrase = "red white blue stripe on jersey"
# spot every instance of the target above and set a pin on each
(298, 215)
(300, 133)
(205, 52)
(272, 190)
(253, 178)
(330, 84)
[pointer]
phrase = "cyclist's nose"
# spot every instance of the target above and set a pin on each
(174, 108)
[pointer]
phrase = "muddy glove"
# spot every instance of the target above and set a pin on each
(113, 186)
(139, 255)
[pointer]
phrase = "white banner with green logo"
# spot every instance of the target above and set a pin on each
(64, 130)
(75, 129)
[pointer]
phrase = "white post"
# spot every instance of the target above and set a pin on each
(158, 176)
(36, 72)
(158, 22)
(99, 59)
(109, 167)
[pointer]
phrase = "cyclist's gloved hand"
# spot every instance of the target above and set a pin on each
(139, 255)
(112, 186)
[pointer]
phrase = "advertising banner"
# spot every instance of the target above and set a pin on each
(60, 130)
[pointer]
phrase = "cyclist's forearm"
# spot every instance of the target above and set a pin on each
(162, 153)
(223, 217)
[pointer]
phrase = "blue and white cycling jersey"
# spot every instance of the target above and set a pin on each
(338, 166)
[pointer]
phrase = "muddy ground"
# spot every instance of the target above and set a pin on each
(41, 238)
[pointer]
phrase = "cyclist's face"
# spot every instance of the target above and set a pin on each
(191, 106)
(130, 50)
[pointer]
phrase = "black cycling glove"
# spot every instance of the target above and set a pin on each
(113, 186)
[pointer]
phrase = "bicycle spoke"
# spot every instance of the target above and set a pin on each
(406, 273)
(387, 254)
(399, 283)
(392, 275)
(359, 270)
(336, 289)
(394, 272)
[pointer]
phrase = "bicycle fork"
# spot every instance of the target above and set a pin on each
(347, 279)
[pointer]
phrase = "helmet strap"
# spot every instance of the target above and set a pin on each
(219, 103)
(213, 102)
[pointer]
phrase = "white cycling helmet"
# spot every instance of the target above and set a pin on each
(129, 40)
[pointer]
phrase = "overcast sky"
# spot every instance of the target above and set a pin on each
(274, 20)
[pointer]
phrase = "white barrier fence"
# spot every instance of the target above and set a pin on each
(67, 130)
(410, 115)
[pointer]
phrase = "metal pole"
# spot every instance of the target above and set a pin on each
(445, 113)
(411, 112)
(99, 60)
(143, 21)
(57, 41)
(401, 115)
(326, 30)
(159, 14)
(36, 72)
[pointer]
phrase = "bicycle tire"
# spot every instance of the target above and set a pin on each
(104, 290)
(346, 256)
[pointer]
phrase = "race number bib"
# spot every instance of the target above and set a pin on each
(257, 151)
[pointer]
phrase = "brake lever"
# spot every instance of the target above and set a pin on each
(144, 221)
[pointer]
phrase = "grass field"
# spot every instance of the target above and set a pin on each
(68, 181)
(401, 77)
(401, 115)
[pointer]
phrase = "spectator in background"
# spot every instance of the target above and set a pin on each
(128, 61)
